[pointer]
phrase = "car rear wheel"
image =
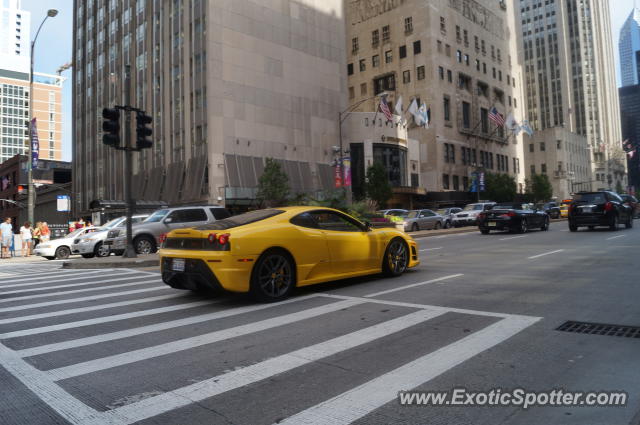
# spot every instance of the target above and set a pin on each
(447, 224)
(144, 245)
(414, 227)
(545, 224)
(523, 226)
(614, 223)
(62, 253)
(273, 276)
(437, 226)
(396, 258)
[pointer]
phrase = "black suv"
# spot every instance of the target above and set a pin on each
(602, 208)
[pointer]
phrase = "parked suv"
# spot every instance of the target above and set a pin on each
(601, 208)
(469, 214)
(448, 214)
(92, 245)
(146, 235)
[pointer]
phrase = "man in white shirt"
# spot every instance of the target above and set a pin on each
(6, 236)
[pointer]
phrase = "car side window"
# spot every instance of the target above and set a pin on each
(304, 220)
(188, 216)
(615, 197)
(219, 213)
(329, 220)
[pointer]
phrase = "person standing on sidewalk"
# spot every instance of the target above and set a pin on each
(45, 232)
(6, 237)
(37, 234)
(27, 238)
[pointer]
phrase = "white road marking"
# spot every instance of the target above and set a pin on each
(546, 253)
(358, 402)
(90, 308)
(616, 237)
(430, 249)
(77, 300)
(107, 319)
(70, 285)
(49, 277)
(81, 342)
(257, 372)
(413, 285)
(513, 237)
(194, 342)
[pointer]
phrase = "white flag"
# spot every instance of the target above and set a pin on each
(413, 110)
(424, 115)
(511, 123)
(398, 108)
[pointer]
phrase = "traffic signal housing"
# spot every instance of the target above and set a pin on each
(111, 127)
(143, 131)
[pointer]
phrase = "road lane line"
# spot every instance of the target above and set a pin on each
(106, 319)
(78, 291)
(430, 249)
(616, 237)
(513, 237)
(413, 285)
(76, 300)
(352, 405)
(91, 308)
(198, 391)
(173, 347)
(81, 342)
(546, 253)
(70, 285)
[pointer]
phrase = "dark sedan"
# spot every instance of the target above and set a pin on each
(514, 217)
(633, 203)
(551, 208)
(601, 208)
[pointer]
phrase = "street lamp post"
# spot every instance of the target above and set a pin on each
(30, 195)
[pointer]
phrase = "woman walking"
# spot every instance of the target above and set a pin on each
(27, 238)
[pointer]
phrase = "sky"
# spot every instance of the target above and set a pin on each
(54, 46)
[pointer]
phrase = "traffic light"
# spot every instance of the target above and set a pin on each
(111, 127)
(142, 131)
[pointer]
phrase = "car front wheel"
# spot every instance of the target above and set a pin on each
(144, 245)
(396, 258)
(273, 276)
(101, 250)
(545, 224)
(62, 253)
(523, 226)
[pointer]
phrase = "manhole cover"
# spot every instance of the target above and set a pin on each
(600, 329)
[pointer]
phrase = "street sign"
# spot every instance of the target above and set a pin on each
(474, 182)
(63, 203)
(481, 181)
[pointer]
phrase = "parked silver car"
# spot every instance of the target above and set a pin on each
(146, 234)
(448, 214)
(92, 245)
(422, 220)
(397, 212)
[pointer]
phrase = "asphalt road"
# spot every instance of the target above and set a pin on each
(481, 312)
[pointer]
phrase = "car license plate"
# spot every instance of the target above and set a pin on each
(587, 209)
(177, 264)
(492, 224)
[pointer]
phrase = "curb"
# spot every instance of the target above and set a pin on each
(77, 264)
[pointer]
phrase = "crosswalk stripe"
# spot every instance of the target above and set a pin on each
(362, 400)
(413, 285)
(81, 342)
(77, 291)
(180, 397)
(70, 285)
(90, 308)
(193, 342)
(49, 276)
(77, 300)
(107, 319)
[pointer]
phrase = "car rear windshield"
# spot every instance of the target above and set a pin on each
(241, 220)
(473, 207)
(591, 198)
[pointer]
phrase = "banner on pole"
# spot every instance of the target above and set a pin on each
(481, 181)
(346, 163)
(35, 144)
(338, 175)
(474, 182)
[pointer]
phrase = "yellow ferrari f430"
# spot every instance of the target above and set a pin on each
(269, 252)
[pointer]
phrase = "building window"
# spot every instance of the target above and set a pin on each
(363, 65)
(447, 108)
(387, 82)
(465, 183)
(476, 41)
(375, 38)
(484, 67)
(441, 72)
(439, 46)
(447, 50)
(484, 120)
(406, 76)
(494, 73)
(350, 69)
(458, 35)
(408, 25)
(417, 47)
(543, 168)
(559, 145)
(449, 76)
(484, 48)
(402, 50)
(352, 93)
(477, 65)
(542, 147)
(445, 181)
(466, 59)
(533, 169)
(363, 89)
(466, 115)
(375, 61)
(388, 56)
(386, 34)
(456, 183)
(443, 25)
(420, 72)
(354, 45)
(459, 56)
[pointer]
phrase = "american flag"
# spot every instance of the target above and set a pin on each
(385, 109)
(495, 116)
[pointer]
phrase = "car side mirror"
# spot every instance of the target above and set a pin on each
(167, 220)
(367, 226)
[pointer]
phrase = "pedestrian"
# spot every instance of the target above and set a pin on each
(12, 248)
(6, 236)
(72, 226)
(37, 234)
(80, 223)
(27, 238)
(45, 232)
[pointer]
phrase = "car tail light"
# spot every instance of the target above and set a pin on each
(608, 206)
(509, 214)
(223, 238)
(482, 216)
(212, 237)
(162, 239)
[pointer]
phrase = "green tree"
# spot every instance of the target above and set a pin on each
(377, 186)
(619, 188)
(500, 187)
(273, 186)
(539, 188)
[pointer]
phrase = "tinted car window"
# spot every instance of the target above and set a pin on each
(240, 220)
(219, 213)
(592, 198)
(188, 216)
(328, 220)
(304, 220)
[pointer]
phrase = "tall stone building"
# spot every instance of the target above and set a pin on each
(572, 100)
(459, 58)
(227, 83)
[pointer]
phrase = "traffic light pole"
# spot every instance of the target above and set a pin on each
(130, 251)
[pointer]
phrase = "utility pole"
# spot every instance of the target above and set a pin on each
(130, 251)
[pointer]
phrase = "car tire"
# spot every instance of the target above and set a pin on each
(545, 224)
(523, 226)
(396, 258)
(100, 251)
(573, 227)
(613, 226)
(414, 227)
(438, 226)
(88, 255)
(447, 224)
(485, 231)
(629, 223)
(274, 261)
(62, 253)
(145, 245)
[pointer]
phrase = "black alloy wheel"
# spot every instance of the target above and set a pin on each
(62, 253)
(273, 276)
(545, 224)
(396, 258)
(614, 222)
(523, 226)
